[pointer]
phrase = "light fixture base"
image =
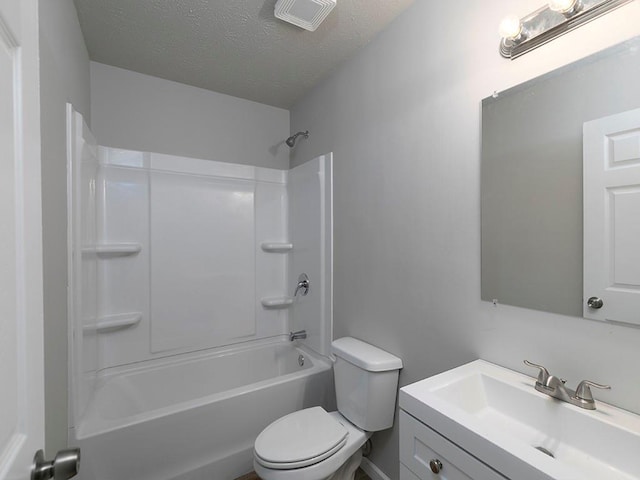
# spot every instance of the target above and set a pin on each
(545, 25)
(567, 11)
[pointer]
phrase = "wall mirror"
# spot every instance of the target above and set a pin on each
(532, 178)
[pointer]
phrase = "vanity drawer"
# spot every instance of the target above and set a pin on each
(406, 474)
(419, 445)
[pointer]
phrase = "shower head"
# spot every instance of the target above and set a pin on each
(291, 141)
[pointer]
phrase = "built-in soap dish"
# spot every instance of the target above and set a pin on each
(545, 451)
(277, 247)
(277, 302)
(114, 249)
(111, 323)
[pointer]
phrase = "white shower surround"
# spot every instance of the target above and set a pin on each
(201, 272)
(171, 261)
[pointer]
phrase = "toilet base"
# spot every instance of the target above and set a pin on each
(348, 470)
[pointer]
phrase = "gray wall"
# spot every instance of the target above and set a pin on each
(403, 119)
(64, 77)
(140, 112)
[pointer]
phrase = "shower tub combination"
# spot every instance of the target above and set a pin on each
(197, 418)
(181, 278)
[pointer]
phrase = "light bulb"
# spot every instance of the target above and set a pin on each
(562, 6)
(510, 27)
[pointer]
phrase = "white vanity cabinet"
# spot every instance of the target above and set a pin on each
(481, 421)
(422, 448)
(406, 474)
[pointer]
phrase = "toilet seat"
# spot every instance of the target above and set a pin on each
(300, 439)
(324, 469)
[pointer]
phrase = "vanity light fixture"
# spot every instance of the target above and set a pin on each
(511, 28)
(521, 35)
(566, 7)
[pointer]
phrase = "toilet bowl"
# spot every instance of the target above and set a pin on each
(309, 444)
(312, 444)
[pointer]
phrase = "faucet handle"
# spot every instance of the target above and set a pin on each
(583, 392)
(543, 375)
(303, 284)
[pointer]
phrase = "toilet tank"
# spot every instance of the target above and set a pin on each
(366, 379)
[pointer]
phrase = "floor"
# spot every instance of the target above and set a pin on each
(360, 475)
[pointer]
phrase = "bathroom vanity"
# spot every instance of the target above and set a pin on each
(482, 421)
(430, 455)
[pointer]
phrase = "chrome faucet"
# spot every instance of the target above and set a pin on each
(555, 387)
(303, 285)
(296, 335)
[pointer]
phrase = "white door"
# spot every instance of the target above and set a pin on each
(21, 357)
(612, 217)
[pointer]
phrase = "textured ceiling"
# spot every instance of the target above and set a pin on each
(235, 47)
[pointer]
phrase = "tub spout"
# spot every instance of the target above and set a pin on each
(296, 335)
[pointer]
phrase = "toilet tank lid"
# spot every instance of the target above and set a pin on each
(365, 356)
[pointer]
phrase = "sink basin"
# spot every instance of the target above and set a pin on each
(496, 415)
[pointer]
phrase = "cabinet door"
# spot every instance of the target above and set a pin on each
(419, 445)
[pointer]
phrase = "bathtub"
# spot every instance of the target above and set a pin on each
(196, 418)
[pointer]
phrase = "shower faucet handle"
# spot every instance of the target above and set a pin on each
(303, 284)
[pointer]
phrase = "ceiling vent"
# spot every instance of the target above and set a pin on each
(307, 14)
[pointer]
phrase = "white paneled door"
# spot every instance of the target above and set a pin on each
(612, 218)
(21, 357)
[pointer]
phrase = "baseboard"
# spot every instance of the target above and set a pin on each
(372, 470)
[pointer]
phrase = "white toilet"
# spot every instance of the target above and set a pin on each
(312, 444)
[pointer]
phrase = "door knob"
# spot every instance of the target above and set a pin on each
(64, 466)
(595, 302)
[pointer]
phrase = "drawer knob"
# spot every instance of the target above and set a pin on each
(435, 465)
